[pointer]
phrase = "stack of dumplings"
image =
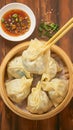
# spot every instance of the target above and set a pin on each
(48, 92)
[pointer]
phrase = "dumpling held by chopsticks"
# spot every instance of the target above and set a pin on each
(38, 65)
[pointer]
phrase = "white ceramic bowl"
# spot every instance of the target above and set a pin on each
(24, 8)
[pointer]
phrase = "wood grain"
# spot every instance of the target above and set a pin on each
(65, 14)
(59, 12)
(66, 117)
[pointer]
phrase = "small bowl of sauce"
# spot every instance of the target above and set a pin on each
(17, 22)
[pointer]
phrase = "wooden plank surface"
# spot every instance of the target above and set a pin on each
(58, 11)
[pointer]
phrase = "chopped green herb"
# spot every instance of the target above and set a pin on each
(47, 29)
(54, 26)
(47, 34)
(2, 20)
(40, 29)
(15, 15)
(42, 24)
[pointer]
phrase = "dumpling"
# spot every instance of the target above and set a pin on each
(38, 101)
(16, 69)
(38, 65)
(51, 69)
(18, 89)
(57, 90)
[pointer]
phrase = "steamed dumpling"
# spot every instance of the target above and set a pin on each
(57, 90)
(18, 89)
(51, 69)
(38, 101)
(38, 65)
(16, 69)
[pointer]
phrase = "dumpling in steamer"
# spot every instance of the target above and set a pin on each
(16, 69)
(51, 69)
(18, 89)
(38, 65)
(38, 101)
(57, 90)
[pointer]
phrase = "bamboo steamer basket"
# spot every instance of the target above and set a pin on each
(23, 113)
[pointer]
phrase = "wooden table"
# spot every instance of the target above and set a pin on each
(58, 11)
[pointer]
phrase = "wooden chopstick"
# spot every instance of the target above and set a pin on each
(60, 31)
(56, 37)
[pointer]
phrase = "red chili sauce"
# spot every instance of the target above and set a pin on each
(15, 22)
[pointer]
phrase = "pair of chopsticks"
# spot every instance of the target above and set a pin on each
(56, 37)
